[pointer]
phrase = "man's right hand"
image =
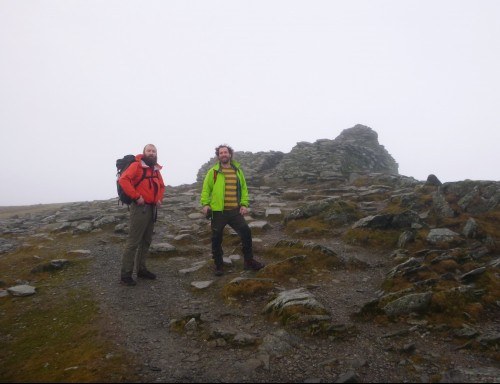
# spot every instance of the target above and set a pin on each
(205, 209)
(140, 201)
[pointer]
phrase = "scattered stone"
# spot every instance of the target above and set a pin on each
(22, 290)
(202, 284)
(438, 235)
(79, 252)
(161, 248)
(196, 266)
(416, 302)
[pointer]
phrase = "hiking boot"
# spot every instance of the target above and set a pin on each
(127, 280)
(252, 265)
(219, 270)
(146, 275)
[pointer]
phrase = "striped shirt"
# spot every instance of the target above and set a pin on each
(230, 196)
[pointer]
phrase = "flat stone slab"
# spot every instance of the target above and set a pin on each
(79, 252)
(22, 290)
(273, 211)
(441, 234)
(228, 261)
(197, 266)
(202, 284)
(161, 247)
(259, 224)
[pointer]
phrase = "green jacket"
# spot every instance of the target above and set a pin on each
(214, 187)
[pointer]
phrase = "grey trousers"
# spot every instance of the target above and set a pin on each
(139, 239)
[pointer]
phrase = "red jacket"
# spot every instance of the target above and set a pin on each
(151, 188)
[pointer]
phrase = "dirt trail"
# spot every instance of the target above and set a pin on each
(139, 318)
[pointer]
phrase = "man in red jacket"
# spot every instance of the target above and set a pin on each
(143, 183)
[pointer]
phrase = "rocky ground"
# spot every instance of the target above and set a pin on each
(265, 351)
(181, 327)
(140, 320)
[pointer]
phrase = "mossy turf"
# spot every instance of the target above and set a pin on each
(57, 334)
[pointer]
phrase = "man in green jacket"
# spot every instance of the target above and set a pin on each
(225, 200)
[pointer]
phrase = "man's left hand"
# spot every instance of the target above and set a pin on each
(243, 210)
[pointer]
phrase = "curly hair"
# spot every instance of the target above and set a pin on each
(231, 151)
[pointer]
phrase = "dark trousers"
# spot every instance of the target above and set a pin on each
(235, 220)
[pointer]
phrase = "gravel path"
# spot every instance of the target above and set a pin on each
(139, 319)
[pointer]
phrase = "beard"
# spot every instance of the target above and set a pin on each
(150, 160)
(225, 160)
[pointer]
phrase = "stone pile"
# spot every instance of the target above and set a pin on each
(355, 151)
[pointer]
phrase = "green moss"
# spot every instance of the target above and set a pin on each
(247, 288)
(55, 335)
(310, 228)
(396, 284)
(57, 341)
(380, 239)
(490, 284)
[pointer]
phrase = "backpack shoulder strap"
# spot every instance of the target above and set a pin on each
(144, 170)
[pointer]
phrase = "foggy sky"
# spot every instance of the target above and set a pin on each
(85, 82)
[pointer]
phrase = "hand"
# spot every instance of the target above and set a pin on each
(205, 209)
(243, 210)
(140, 201)
(158, 203)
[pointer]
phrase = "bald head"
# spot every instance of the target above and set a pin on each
(148, 147)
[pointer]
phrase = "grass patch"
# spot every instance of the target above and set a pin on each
(247, 288)
(396, 284)
(58, 341)
(374, 238)
(57, 334)
(490, 283)
(310, 227)
(299, 260)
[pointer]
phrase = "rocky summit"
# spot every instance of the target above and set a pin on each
(370, 276)
(354, 152)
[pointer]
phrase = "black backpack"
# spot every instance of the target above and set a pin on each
(121, 165)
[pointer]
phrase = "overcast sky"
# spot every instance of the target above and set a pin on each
(85, 82)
